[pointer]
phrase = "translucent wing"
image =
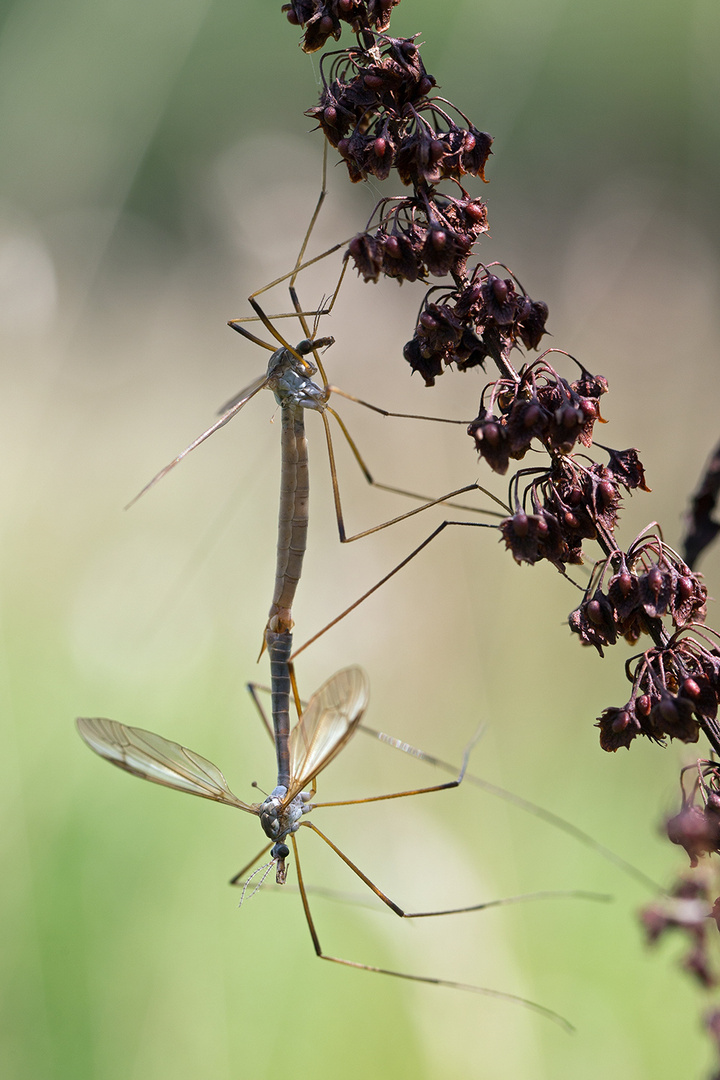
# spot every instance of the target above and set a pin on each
(244, 395)
(229, 410)
(328, 722)
(151, 757)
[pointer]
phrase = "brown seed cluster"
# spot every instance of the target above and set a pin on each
(322, 19)
(535, 404)
(571, 500)
(373, 106)
(562, 507)
(675, 684)
(696, 827)
(418, 237)
(376, 110)
(674, 694)
(647, 589)
(484, 317)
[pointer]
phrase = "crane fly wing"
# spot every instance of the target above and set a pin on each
(328, 722)
(226, 413)
(151, 757)
(239, 399)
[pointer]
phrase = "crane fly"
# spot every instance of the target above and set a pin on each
(324, 728)
(289, 376)
(328, 723)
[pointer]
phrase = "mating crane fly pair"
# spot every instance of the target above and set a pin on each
(334, 713)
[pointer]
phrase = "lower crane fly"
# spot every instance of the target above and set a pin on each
(327, 724)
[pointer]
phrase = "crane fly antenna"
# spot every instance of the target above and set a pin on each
(266, 868)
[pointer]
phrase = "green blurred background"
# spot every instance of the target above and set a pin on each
(155, 168)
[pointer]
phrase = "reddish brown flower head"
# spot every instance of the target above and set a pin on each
(654, 590)
(491, 441)
(594, 621)
(428, 366)
(532, 537)
(531, 318)
(626, 467)
(527, 420)
(321, 19)
(696, 831)
(430, 155)
(402, 258)
(572, 422)
(702, 695)
(618, 727)
(623, 591)
(438, 332)
(672, 715)
(367, 253)
(689, 597)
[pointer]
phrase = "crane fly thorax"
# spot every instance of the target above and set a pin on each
(278, 818)
(290, 379)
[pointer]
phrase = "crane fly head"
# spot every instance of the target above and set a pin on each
(279, 854)
(306, 345)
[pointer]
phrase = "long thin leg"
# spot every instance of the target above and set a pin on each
(310, 334)
(252, 689)
(446, 499)
(431, 980)
(303, 266)
(325, 309)
(236, 324)
(505, 511)
(399, 415)
(313, 219)
(419, 791)
(344, 538)
(552, 894)
(299, 264)
(251, 337)
(523, 804)
(393, 795)
(381, 582)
